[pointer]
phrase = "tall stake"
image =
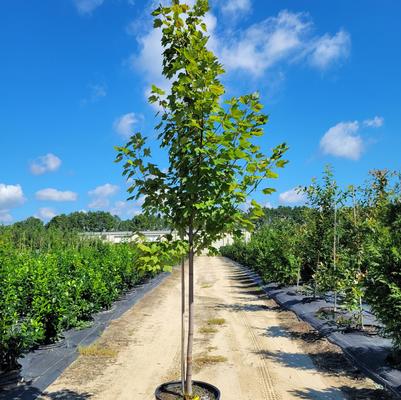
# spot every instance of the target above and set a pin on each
(183, 325)
(335, 255)
(188, 380)
(359, 266)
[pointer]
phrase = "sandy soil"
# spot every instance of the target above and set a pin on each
(244, 344)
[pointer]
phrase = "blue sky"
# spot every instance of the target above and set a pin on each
(74, 75)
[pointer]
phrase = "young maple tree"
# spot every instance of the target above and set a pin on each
(214, 164)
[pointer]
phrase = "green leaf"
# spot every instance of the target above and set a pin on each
(157, 90)
(268, 190)
(157, 23)
(218, 90)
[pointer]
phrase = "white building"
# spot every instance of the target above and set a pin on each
(151, 236)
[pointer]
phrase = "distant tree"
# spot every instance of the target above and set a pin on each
(148, 222)
(323, 199)
(125, 225)
(27, 233)
(101, 221)
(61, 222)
(382, 248)
(92, 221)
(31, 223)
(272, 215)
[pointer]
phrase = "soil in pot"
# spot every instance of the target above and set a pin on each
(172, 391)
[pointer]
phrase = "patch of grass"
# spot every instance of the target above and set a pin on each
(95, 350)
(216, 321)
(206, 285)
(207, 329)
(209, 359)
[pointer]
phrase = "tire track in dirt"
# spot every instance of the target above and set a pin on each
(266, 379)
(267, 382)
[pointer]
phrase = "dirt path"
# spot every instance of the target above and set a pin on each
(244, 344)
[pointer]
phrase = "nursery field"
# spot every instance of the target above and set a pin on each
(341, 255)
(343, 246)
(261, 280)
(346, 243)
(245, 345)
(53, 281)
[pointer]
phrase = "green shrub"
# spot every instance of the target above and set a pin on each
(44, 291)
(348, 243)
(383, 262)
(272, 252)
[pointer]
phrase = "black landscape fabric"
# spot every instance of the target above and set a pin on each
(368, 353)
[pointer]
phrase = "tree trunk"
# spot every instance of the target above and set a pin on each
(361, 321)
(182, 325)
(335, 259)
(314, 280)
(188, 380)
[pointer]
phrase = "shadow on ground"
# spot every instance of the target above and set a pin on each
(329, 362)
(242, 307)
(27, 392)
(338, 393)
(66, 395)
(13, 387)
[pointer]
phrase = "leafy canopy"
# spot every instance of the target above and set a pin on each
(214, 164)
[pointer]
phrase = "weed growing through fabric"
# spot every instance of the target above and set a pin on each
(216, 321)
(207, 330)
(96, 350)
(209, 359)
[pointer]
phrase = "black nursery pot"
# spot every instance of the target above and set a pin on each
(175, 388)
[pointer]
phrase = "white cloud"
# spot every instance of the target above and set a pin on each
(10, 196)
(46, 214)
(46, 163)
(284, 38)
(50, 194)
(149, 59)
(167, 3)
(211, 23)
(287, 38)
(330, 49)
(126, 209)
(101, 194)
(104, 190)
(5, 217)
(375, 122)
(96, 92)
(267, 204)
(101, 202)
(247, 205)
(292, 196)
(342, 140)
(124, 125)
(266, 43)
(236, 6)
(87, 6)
